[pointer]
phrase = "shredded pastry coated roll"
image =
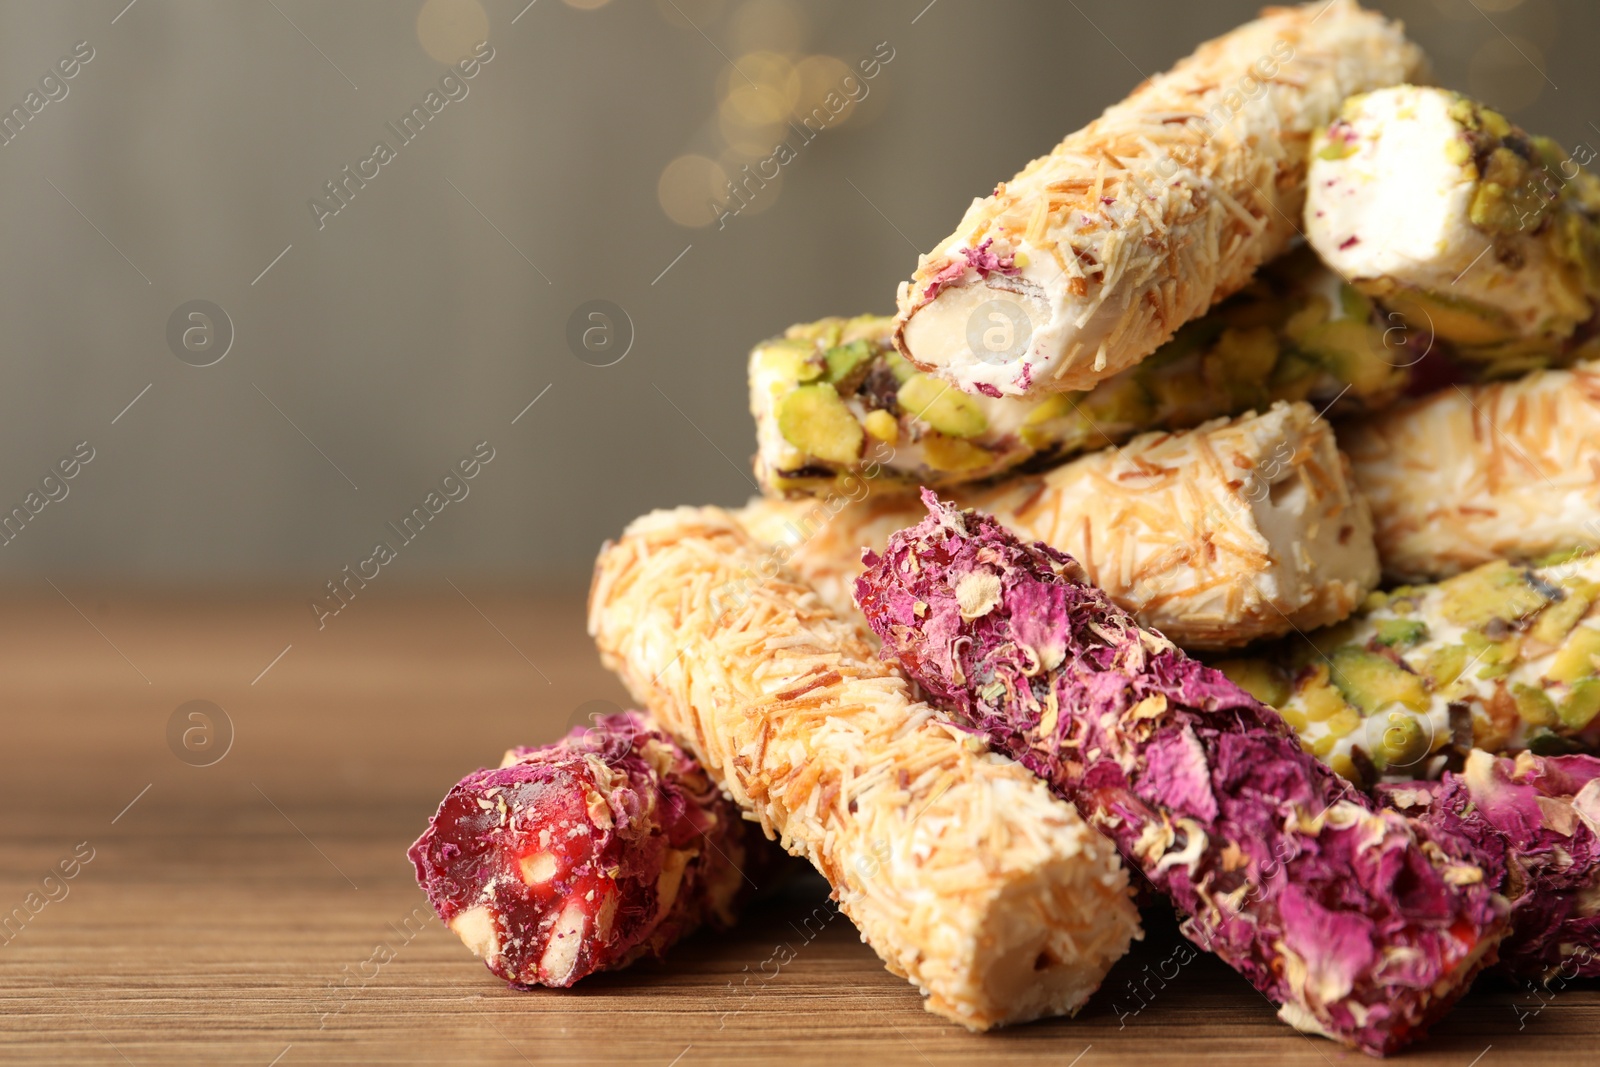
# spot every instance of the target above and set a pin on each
(1361, 924)
(1502, 658)
(1095, 254)
(1229, 533)
(1476, 473)
(957, 865)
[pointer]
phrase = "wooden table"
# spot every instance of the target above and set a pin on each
(261, 910)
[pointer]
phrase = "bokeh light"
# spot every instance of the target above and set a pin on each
(689, 189)
(759, 188)
(820, 76)
(762, 96)
(587, 5)
(448, 30)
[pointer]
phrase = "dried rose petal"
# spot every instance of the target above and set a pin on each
(1354, 920)
(585, 855)
(1542, 815)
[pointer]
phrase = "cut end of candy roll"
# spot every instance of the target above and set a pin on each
(1464, 225)
(584, 855)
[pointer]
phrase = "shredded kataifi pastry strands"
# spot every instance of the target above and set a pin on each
(957, 865)
(1232, 532)
(1472, 474)
(1092, 256)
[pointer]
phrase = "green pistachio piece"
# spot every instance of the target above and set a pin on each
(1370, 681)
(1312, 313)
(1319, 700)
(1444, 665)
(1401, 633)
(1493, 591)
(941, 406)
(1248, 353)
(1534, 706)
(1557, 620)
(1294, 377)
(790, 359)
(1578, 657)
(823, 333)
(1495, 658)
(1581, 705)
(1056, 424)
(1451, 318)
(1354, 303)
(847, 362)
(1118, 405)
(1352, 350)
(1259, 678)
(951, 454)
(903, 372)
(1498, 202)
(1402, 743)
(813, 419)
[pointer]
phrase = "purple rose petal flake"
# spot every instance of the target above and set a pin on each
(1542, 814)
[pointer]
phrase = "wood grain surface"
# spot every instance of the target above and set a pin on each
(261, 910)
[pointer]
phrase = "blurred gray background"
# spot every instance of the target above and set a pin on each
(372, 353)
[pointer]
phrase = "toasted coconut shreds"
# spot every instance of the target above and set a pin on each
(956, 864)
(1185, 530)
(1181, 191)
(1477, 473)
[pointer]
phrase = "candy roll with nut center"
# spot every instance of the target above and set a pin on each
(1468, 227)
(1473, 474)
(1095, 254)
(1232, 532)
(1357, 923)
(610, 845)
(958, 867)
(834, 402)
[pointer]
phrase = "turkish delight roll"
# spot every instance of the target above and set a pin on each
(1092, 256)
(957, 865)
(1543, 814)
(1467, 227)
(1478, 473)
(587, 854)
(1232, 532)
(1350, 918)
(834, 402)
(1502, 658)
